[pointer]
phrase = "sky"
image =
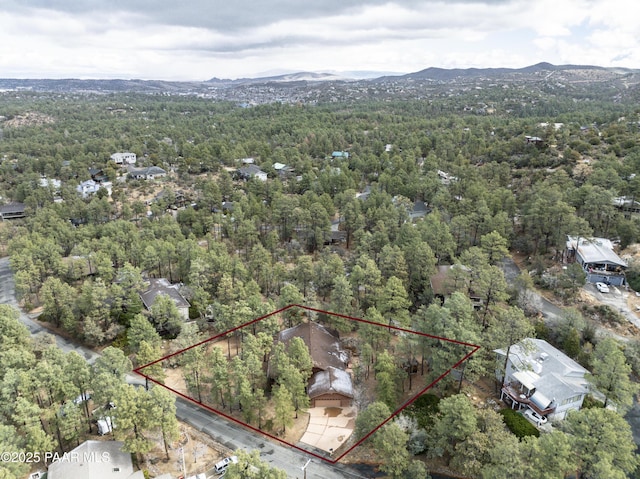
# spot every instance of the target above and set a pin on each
(201, 39)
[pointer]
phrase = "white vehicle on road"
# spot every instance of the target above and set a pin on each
(222, 465)
(603, 288)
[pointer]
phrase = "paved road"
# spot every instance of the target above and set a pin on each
(550, 311)
(234, 436)
(222, 431)
(8, 296)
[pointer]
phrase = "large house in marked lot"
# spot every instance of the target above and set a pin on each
(330, 384)
(598, 260)
(542, 378)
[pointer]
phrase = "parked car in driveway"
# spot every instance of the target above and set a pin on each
(534, 417)
(603, 288)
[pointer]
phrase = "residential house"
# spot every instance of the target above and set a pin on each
(628, 206)
(541, 378)
(95, 460)
(252, 171)
(598, 259)
(124, 159)
(283, 170)
(533, 140)
(420, 210)
(446, 178)
(331, 388)
(146, 173)
(53, 184)
(98, 174)
(330, 384)
(158, 286)
(91, 187)
(226, 207)
(12, 211)
(340, 154)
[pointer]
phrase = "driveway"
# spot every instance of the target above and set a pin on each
(329, 427)
(616, 298)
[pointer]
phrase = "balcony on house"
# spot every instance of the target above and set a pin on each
(519, 396)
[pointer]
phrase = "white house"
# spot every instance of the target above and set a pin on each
(94, 460)
(91, 187)
(51, 183)
(542, 378)
(124, 158)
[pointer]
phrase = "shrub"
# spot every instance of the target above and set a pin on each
(591, 402)
(424, 409)
(517, 424)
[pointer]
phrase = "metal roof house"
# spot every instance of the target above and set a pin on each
(95, 460)
(12, 211)
(542, 378)
(597, 258)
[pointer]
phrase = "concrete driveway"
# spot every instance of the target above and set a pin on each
(329, 427)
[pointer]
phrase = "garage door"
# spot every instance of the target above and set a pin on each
(328, 403)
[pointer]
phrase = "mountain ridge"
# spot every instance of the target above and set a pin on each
(301, 79)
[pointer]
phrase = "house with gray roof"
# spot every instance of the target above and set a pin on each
(252, 171)
(95, 460)
(12, 211)
(146, 173)
(542, 378)
(598, 260)
(158, 286)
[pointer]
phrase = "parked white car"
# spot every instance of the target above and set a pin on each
(222, 465)
(534, 417)
(603, 288)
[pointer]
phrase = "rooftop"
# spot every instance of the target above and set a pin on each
(595, 250)
(324, 347)
(162, 286)
(95, 460)
(332, 380)
(542, 367)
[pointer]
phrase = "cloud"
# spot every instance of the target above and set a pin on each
(222, 15)
(203, 38)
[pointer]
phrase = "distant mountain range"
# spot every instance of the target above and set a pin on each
(582, 73)
(443, 74)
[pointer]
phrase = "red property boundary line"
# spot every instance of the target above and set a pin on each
(474, 348)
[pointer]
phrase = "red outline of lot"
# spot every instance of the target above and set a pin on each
(263, 433)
